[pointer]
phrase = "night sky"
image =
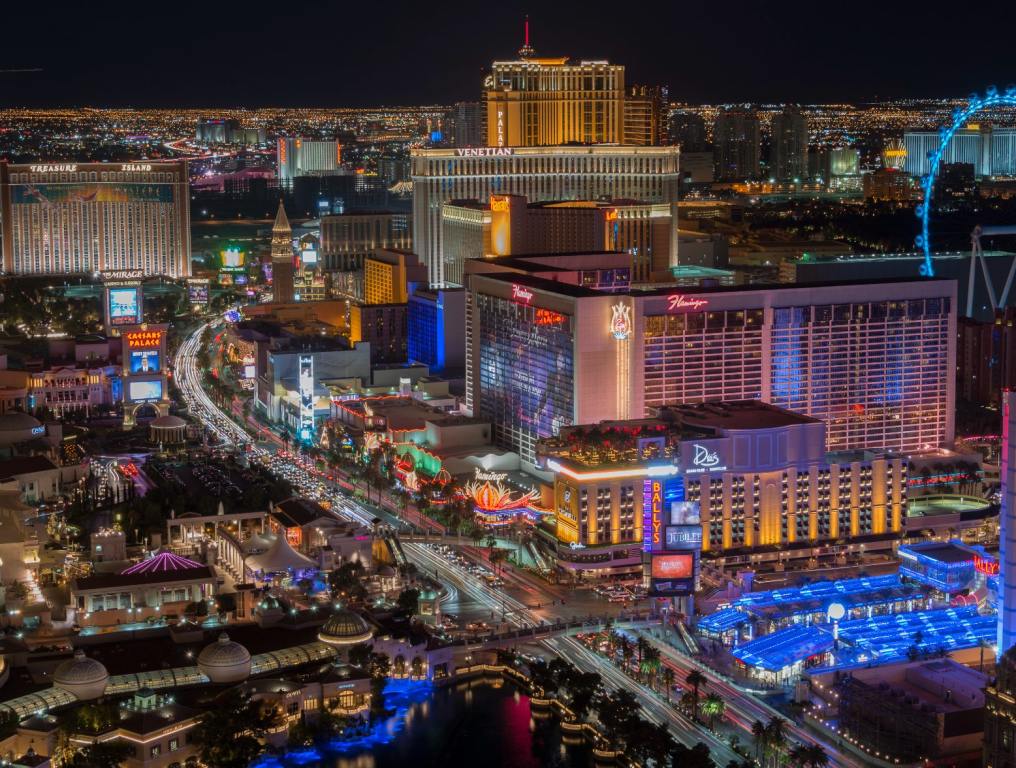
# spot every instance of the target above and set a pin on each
(364, 53)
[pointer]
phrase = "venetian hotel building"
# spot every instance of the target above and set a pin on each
(873, 361)
(758, 478)
(75, 218)
(643, 174)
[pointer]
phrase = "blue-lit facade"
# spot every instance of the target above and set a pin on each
(946, 567)
(436, 333)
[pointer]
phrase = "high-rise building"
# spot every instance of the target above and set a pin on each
(875, 363)
(467, 124)
(1003, 152)
(75, 218)
(551, 101)
(282, 257)
(644, 174)
(387, 275)
(788, 146)
(889, 185)
(1007, 527)
(505, 225)
(1000, 715)
(227, 131)
(719, 459)
(974, 364)
(306, 157)
(348, 239)
(645, 116)
(970, 145)
(688, 131)
(736, 145)
(437, 317)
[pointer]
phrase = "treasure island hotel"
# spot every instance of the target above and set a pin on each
(65, 218)
(556, 130)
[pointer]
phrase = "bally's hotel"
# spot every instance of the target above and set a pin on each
(873, 361)
(74, 218)
(645, 174)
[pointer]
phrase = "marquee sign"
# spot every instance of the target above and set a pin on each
(144, 339)
(676, 301)
(521, 294)
(484, 151)
(620, 321)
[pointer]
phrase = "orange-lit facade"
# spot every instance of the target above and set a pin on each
(552, 101)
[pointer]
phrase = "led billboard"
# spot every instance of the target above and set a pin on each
(124, 306)
(144, 361)
(144, 391)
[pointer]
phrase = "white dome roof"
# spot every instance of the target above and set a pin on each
(83, 677)
(224, 661)
(345, 628)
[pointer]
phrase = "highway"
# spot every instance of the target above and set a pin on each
(206, 412)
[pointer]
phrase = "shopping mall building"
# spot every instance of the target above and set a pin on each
(749, 482)
(552, 347)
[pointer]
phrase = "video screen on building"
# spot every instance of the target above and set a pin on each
(673, 575)
(249, 371)
(233, 259)
(144, 391)
(197, 292)
(144, 361)
(673, 566)
(124, 306)
(308, 257)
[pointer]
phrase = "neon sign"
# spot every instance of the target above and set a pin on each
(620, 321)
(704, 457)
(679, 301)
(656, 501)
(548, 317)
(53, 168)
(144, 339)
(521, 293)
(136, 167)
(986, 565)
(499, 204)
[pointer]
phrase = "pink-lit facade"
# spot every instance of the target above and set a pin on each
(874, 361)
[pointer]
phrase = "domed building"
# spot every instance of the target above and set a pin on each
(82, 677)
(167, 431)
(224, 661)
(345, 628)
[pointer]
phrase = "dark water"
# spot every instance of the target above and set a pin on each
(485, 723)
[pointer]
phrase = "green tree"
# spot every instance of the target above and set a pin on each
(695, 679)
(407, 601)
(228, 735)
(808, 756)
(618, 714)
(102, 754)
(379, 667)
(713, 707)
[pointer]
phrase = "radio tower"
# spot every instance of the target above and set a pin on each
(526, 51)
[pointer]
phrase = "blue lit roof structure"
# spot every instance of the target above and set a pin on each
(816, 597)
(885, 639)
(785, 648)
(723, 620)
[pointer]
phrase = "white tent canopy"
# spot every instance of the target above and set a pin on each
(279, 557)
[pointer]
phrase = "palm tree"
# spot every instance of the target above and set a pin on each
(627, 651)
(651, 664)
(695, 679)
(758, 730)
(713, 707)
(668, 680)
(808, 756)
(776, 738)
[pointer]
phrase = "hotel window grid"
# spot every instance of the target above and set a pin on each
(703, 356)
(876, 373)
(526, 374)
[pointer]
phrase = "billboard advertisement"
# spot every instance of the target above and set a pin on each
(233, 260)
(673, 575)
(53, 194)
(144, 361)
(197, 291)
(306, 397)
(144, 391)
(124, 306)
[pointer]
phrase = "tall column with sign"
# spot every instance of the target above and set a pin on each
(122, 299)
(144, 371)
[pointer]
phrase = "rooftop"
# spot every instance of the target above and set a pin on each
(23, 465)
(738, 414)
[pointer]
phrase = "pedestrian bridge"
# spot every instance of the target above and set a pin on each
(544, 631)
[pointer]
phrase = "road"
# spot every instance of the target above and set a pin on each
(501, 603)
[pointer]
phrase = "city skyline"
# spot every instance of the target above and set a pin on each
(704, 53)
